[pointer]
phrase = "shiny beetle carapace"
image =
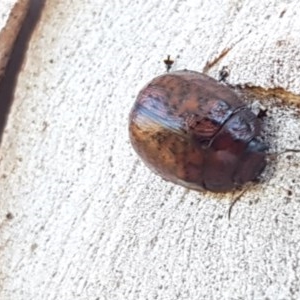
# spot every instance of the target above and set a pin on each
(196, 132)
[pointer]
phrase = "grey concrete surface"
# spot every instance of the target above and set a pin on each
(81, 217)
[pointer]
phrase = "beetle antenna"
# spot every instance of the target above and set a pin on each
(289, 150)
(273, 155)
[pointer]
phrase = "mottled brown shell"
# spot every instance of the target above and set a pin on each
(194, 131)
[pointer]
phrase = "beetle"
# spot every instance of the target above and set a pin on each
(194, 131)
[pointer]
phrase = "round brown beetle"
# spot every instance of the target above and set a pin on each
(196, 132)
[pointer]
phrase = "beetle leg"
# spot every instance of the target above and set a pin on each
(239, 196)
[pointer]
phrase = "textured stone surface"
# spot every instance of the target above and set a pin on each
(82, 218)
